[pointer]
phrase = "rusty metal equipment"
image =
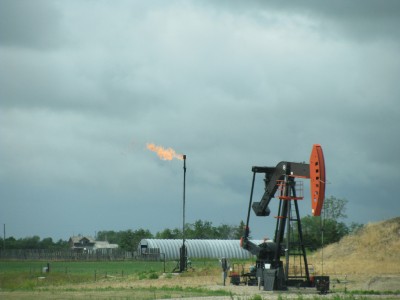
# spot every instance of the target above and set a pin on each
(241, 273)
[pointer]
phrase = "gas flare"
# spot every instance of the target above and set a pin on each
(164, 153)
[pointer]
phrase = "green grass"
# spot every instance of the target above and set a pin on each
(26, 274)
(118, 267)
(372, 292)
(128, 267)
(25, 277)
(143, 293)
(25, 280)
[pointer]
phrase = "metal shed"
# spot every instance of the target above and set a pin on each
(195, 248)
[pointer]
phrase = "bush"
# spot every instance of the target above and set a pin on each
(153, 276)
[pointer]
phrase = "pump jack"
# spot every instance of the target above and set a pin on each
(269, 267)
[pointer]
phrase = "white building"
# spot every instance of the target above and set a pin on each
(87, 243)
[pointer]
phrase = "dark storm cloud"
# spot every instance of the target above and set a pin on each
(31, 24)
(360, 19)
(357, 19)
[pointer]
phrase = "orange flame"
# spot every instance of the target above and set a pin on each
(164, 153)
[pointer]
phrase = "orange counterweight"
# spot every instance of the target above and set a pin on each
(317, 178)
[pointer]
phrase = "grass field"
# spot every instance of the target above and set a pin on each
(89, 271)
(361, 266)
(86, 268)
(100, 280)
(135, 280)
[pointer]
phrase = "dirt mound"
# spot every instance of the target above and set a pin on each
(375, 249)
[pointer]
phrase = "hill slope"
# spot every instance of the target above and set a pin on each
(375, 249)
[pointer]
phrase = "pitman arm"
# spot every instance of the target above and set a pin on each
(245, 243)
(272, 176)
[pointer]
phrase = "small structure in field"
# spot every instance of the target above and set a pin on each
(88, 244)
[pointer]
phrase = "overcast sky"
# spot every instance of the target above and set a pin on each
(85, 85)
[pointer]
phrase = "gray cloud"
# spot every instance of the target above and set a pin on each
(229, 85)
(359, 20)
(32, 24)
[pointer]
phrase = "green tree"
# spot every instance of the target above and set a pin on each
(238, 231)
(169, 234)
(201, 230)
(11, 243)
(126, 240)
(327, 228)
(33, 243)
(29, 242)
(204, 230)
(46, 243)
(109, 235)
(333, 231)
(224, 232)
(61, 244)
(334, 208)
(131, 239)
(311, 231)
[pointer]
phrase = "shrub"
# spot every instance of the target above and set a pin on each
(153, 276)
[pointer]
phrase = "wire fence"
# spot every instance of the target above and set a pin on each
(72, 255)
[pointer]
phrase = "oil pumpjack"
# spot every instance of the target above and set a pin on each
(280, 180)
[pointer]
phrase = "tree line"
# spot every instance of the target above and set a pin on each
(317, 231)
(33, 242)
(128, 240)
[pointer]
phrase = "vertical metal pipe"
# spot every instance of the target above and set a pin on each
(250, 201)
(183, 262)
(288, 235)
(184, 196)
(322, 220)
(303, 248)
(282, 219)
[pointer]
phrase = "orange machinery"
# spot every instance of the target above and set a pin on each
(317, 177)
